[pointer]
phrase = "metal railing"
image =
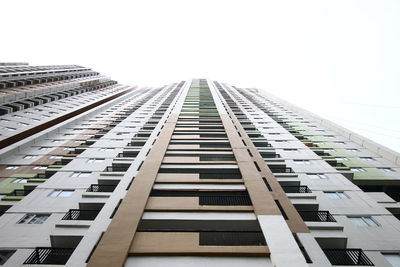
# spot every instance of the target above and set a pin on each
(296, 189)
(116, 168)
(132, 154)
(317, 216)
(281, 170)
(101, 188)
(49, 255)
(81, 214)
(250, 238)
(222, 200)
(347, 256)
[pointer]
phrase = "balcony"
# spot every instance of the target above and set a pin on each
(347, 256)
(317, 216)
(225, 238)
(81, 214)
(128, 154)
(101, 188)
(275, 169)
(117, 168)
(49, 255)
(296, 189)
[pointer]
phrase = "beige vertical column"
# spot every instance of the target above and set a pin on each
(113, 248)
(281, 243)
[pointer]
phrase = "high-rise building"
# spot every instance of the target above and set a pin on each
(195, 173)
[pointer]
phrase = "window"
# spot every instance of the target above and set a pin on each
(386, 169)
(29, 157)
(61, 193)
(5, 255)
(69, 148)
(57, 141)
(353, 150)
(44, 148)
(328, 150)
(39, 168)
(363, 221)
(336, 195)
(393, 258)
(12, 167)
(95, 160)
(317, 176)
(304, 162)
(80, 174)
(339, 142)
(340, 158)
(34, 218)
(55, 157)
(20, 181)
(10, 129)
(357, 170)
(106, 149)
(367, 158)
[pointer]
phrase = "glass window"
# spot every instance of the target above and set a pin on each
(39, 168)
(352, 150)
(12, 167)
(29, 157)
(5, 255)
(317, 176)
(393, 258)
(34, 218)
(95, 160)
(367, 158)
(336, 195)
(61, 193)
(80, 174)
(20, 181)
(55, 157)
(340, 158)
(363, 221)
(357, 170)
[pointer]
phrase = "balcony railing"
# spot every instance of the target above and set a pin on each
(281, 170)
(81, 214)
(49, 255)
(317, 216)
(128, 154)
(116, 168)
(222, 200)
(347, 256)
(101, 188)
(296, 189)
(248, 238)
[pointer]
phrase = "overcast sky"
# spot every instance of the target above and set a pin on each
(339, 59)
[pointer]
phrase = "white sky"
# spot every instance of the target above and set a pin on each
(339, 59)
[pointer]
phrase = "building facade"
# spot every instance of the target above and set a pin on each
(195, 173)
